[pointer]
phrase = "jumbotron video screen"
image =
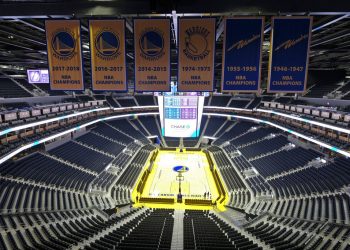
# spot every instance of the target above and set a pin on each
(181, 114)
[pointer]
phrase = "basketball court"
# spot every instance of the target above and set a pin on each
(197, 181)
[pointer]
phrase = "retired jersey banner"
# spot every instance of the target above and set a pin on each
(196, 54)
(241, 65)
(64, 54)
(152, 54)
(289, 54)
(107, 46)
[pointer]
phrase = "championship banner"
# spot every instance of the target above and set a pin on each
(64, 54)
(107, 45)
(241, 64)
(152, 54)
(289, 54)
(196, 54)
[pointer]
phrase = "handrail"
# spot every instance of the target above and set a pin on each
(161, 234)
(100, 210)
(194, 235)
(256, 219)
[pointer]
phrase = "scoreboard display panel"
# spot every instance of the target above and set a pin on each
(181, 115)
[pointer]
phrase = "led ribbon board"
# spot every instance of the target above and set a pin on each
(241, 64)
(33, 144)
(29, 125)
(293, 117)
(64, 54)
(305, 137)
(289, 54)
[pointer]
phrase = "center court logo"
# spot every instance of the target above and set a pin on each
(63, 44)
(181, 169)
(151, 44)
(196, 43)
(107, 45)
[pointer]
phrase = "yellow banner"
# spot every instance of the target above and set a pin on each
(152, 54)
(107, 45)
(196, 54)
(64, 54)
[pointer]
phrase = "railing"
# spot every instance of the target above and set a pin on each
(100, 210)
(161, 234)
(260, 216)
(194, 235)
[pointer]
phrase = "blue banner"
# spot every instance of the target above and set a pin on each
(289, 54)
(241, 65)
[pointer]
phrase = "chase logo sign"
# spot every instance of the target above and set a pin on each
(151, 44)
(178, 126)
(63, 44)
(196, 43)
(107, 45)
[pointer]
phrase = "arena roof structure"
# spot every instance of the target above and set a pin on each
(171, 125)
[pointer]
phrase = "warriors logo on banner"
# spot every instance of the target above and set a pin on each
(64, 54)
(196, 54)
(107, 43)
(152, 54)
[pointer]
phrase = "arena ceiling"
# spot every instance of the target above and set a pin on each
(23, 44)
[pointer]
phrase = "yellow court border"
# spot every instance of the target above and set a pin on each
(220, 206)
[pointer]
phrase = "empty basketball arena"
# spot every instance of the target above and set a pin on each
(175, 125)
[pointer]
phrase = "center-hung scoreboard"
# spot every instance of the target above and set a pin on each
(180, 113)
